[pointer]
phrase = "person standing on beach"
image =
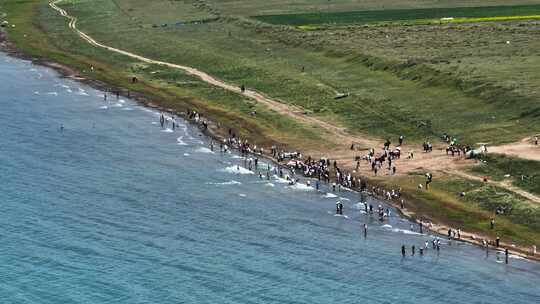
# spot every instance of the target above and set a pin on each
(429, 179)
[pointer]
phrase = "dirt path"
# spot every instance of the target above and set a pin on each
(522, 149)
(339, 134)
(504, 184)
(435, 161)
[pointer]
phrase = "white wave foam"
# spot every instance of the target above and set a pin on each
(234, 156)
(186, 154)
(342, 215)
(121, 101)
(236, 170)
(118, 105)
(330, 195)
(281, 180)
(204, 150)
(36, 93)
(82, 92)
(405, 231)
(303, 187)
(52, 93)
(104, 107)
(242, 195)
(387, 226)
(180, 141)
(517, 257)
(344, 199)
(127, 109)
(359, 205)
(232, 182)
(269, 185)
(167, 130)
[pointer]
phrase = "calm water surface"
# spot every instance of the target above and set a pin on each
(115, 210)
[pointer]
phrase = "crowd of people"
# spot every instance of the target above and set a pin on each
(324, 170)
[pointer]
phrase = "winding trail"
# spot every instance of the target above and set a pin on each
(504, 184)
(339, 134)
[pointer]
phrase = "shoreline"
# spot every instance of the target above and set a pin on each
(216, 133)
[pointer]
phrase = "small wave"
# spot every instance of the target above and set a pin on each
(344, 199)
(186, 154)
(52, 93)
(104, 107)
(82, 92)
(387, 226)
(121, 101)
(242, 195)
(204, 150)
(232, 182)
(269, 185)
(516, 257)
(281, 180)
(36, 93)
(303, 187)
(167, 130)
(127, 109)
(236, 170)
(359, 205)
(234, 156)
(342, 215)
(118, 105)
(405, 231)
(330, 195)
(180, 141)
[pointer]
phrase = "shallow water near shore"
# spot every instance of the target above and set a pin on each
(113, 209)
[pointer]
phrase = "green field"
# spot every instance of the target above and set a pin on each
(517, 220)
(521, 172)
(401, 15)
(387, 98)
(274, 7)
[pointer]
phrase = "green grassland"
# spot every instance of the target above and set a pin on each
(401, 15)
(386, 99)
(521, 172)
(517, 220)
(258, 7)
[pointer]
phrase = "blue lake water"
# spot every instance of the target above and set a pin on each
(114, 210)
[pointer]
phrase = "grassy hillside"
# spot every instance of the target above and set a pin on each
(384, 100)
